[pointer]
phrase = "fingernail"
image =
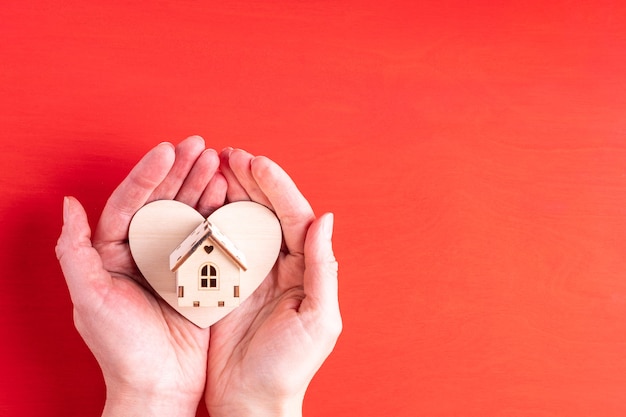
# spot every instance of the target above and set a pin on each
(66, 208)
(329, 222)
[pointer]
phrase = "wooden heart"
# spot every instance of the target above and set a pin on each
(210, 285)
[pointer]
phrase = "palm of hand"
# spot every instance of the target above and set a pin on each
(270, 347)
(254, 344)
(158, 344)
(136, 337)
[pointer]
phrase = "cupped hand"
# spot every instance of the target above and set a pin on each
(153, 360)
(263, 355)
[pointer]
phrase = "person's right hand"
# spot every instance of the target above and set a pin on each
(263, 355)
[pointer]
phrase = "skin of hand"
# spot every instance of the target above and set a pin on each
(153, 360)
(263, 355)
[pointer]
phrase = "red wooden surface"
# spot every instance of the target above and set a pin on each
(474, 155)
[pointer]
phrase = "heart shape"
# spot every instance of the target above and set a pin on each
(159, 227)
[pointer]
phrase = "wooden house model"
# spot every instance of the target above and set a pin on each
(208, 269)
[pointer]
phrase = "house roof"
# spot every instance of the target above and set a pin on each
(206, 231)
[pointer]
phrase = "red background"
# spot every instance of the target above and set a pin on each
(474, 155)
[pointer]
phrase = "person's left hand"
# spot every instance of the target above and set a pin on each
(153, 359)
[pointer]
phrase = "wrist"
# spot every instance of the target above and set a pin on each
(249, 408)
(135, 403)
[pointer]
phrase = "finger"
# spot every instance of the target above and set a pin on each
(240, 164)
(199, 177)
(133, 193)
(235, 191)
(320, 273)
(293, 211)
(187, 152)
(80, 262)
(213, 196)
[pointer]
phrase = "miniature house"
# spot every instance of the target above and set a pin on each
(207, 267)
(208, 278)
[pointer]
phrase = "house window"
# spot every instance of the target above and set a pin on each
(209, 277)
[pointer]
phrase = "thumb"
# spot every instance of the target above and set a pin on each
(320, 273)
(80, 262)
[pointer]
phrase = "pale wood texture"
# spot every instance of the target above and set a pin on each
(227, 276)
(197, 238)
(159, 227)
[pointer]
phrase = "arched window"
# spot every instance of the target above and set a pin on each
(209, 277)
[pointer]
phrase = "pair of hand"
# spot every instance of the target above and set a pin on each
(257, 360)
